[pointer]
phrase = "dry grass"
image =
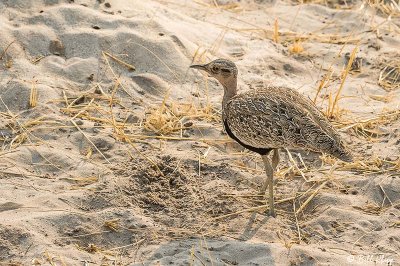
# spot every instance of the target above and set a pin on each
(389, 77)
(169, 119)
(21, 131)
(82, 181)
(391, 8)
(333, 109)
(289, 36)
(130, 67)
(232, 7)
(276, 31)
(47, 259)
(324, 83)
(91, 248)
(369, 127)
(112, 224)
(33, 98)
(367, 166)
(332, 3)
(8, 62)
(172, 117)
(296, 47)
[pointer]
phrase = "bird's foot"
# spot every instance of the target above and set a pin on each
(271, 210)
(271, 213)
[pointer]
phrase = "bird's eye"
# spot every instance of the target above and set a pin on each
(215, 69)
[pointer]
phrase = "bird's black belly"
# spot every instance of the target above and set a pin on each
(261, 151)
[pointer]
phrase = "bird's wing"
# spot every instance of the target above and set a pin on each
(280, 117)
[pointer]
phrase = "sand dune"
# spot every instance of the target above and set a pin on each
(113, 152)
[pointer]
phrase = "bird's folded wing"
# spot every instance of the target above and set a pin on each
(280, 117)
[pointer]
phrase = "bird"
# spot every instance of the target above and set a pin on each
(265, 120)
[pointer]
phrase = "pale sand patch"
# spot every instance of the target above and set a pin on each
(113, 152)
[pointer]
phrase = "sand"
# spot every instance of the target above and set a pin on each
(113, 152)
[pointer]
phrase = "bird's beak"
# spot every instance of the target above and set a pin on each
(200, 67)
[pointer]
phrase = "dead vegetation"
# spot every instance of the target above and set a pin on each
(389, 77)
(172, 117)
(164, 187)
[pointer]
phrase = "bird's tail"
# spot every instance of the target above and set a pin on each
(343, 153)
(347, 157)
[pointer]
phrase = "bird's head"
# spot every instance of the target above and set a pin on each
(223, 70)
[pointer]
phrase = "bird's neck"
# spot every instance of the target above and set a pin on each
(230, 90)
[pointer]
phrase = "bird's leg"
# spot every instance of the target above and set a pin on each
(275, 159)
(275, 162)
(269, 182)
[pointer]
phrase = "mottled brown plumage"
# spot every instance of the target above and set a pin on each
(278, 117)
(271, 118)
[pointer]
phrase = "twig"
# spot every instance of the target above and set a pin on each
(129, 66)
(295, 165)
(5, 50)
(88, 139)
(297, 222)
(348, 67)
(252, 209)
(311, 197)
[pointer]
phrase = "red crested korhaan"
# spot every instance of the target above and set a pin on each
(267, 119)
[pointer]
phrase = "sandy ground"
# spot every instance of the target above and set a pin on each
(113, 151)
